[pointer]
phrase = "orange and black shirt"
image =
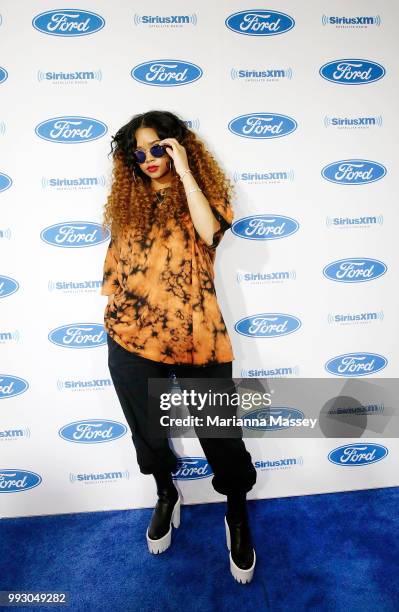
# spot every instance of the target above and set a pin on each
(164, 305)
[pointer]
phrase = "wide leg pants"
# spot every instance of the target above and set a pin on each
(231, 463)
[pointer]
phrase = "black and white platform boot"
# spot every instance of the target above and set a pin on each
(238, 538)
(166, 513)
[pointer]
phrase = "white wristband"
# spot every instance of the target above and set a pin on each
(191, 190)
(184, 173)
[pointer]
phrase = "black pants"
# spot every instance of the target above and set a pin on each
(230, 461)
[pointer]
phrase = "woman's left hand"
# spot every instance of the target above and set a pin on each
(177, 152)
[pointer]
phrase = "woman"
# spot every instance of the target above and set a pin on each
(168, 209)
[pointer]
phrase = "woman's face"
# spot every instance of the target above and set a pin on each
(154, 167)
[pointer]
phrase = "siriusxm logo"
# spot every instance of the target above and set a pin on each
(98, 477)
(353, 172)
(265, 227)
(94, 384)
(192, 468)
(267, 325)
(87, 286)
(3, 74)
(282, 463)
(71, 129)
(15, 481)
(5, 181)
(165, 20)
(358, 409)
(259, 22)
(255, 178)
(356, 364)
(166, 73)
(352, 71)
(355, 318)
(275, 418)
(68, 184)
(14, 434)
(357, 453)
(79, 335)
(268, 74)
(350, 222)
(270, 372)
(8, 286)
(74, 234)
(92, 431)
(353, 122)
(262, 125)
(359, 22)
(9, 336)
(68, 22)
(5, 234)
(10, 386)
(354, 270)
(69, 78)
(261, 278)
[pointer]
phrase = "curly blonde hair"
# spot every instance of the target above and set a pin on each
(130, 200)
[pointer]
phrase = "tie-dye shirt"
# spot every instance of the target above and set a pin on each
(164, 304)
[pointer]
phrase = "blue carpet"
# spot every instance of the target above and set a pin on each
(328, 552)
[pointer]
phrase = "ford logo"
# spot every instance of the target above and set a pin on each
(92, 431)
(192, 468)
(74, 234)
(354, 270)
(267, 325)
(79, 335)
(68, 22)
(265, 227)
(8, 286)
(353, 172)
(71, 129)
(262, 125)
(356, 364)
(270, 414)
(357, 453)
(352, 71)
(15, 481)
(3, 74)
(5, 181)
(166, 73)
(259, 22)
(10, 386)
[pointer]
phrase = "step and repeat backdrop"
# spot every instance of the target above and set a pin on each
(298, 103)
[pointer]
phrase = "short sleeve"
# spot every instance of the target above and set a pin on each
(110, 277)
(223, 212)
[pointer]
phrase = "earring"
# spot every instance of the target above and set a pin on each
(134, 175)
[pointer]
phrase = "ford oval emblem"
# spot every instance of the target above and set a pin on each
(357, 454)
(262, 125)
(10, 386)
(68, 22)
(352, 71)
(265, 227)
(259, 22)
(192, 468)
(356, 364)
(166, 73)
(92, 431)
(267, 325)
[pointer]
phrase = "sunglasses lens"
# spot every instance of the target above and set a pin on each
(157, 150)
(139, 156)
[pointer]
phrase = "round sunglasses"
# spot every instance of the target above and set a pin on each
(156, 150)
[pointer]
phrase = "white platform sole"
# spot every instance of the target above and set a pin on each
(241, 575)
(160, 545)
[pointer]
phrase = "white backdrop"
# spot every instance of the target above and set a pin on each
(298, 103)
